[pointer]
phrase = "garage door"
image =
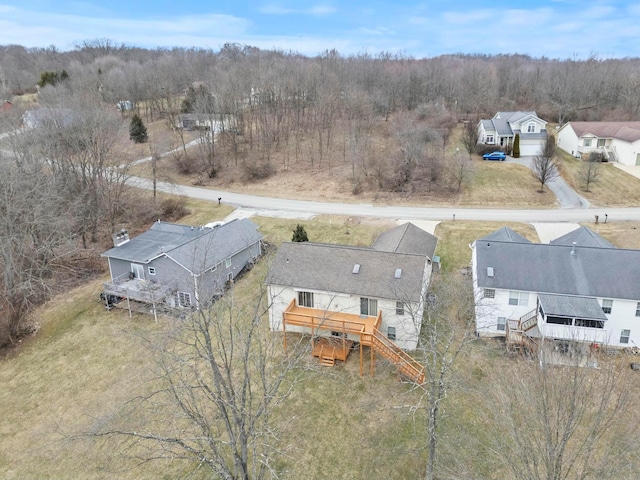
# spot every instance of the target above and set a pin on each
(529, 149)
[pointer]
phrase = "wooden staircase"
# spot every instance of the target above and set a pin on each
(406, 365)
(517, 332)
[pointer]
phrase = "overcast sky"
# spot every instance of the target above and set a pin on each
(551, 28)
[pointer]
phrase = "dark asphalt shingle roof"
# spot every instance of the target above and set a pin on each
(568, 306)
(534, 267)
(327, 267)
(406, 238)
(584, 237)
(505, 234)
(195, 248)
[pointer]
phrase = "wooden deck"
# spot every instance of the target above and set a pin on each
(366, 328)
(329, 350)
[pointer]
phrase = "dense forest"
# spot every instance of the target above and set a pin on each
(62, 184)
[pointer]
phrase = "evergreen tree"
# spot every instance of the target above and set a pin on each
(137, 130)
(300, 234)
(516, 146)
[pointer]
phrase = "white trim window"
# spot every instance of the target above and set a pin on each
(227, 262)
(502, 324)
(587, 142)
(305, 299)
(184, 299)
(607, 305)
(152, 270)
(489, 293)
(638, 310)
(531, 128)
(368, 307)
(391, 333)
(624, 336)
(399, 308)
(489, 140)
(519, 298)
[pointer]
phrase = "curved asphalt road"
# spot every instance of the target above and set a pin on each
(417, 213)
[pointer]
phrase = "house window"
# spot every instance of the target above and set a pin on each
(368, 306)
(152, 271)
(391, 333)
(587, 142)
(638, 309)
(305, 299)
(490, 139)
(531, 128)
(519, 298)
(227, 262)
(624, 336)
(489, 293)
(583, 322)
(184, 299)
(601, 142)
(607, 305)
(502, 324)
(399, 308)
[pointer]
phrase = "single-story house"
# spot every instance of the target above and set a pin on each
(577, 288)
(210, 122)
(503, 127)
(180, 265)
(617, 141)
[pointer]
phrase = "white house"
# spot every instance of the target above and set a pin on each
(387, 282)
(503, 127)
(617, 141)
(577, 288)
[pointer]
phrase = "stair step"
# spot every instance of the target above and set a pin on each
(327, 362)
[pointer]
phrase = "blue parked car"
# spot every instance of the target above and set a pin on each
(494, 156)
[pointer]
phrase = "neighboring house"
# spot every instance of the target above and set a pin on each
(577, 288)
(125, 105)
(201, 121)
(180, 265)
(503, 127)
(42, 117)
(370, 295)
(617, 141)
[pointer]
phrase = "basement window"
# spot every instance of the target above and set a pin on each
(502, 324)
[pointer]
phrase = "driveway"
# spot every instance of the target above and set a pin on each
(566, 196)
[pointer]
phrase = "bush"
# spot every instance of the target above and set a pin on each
(174, 208)
(257, 171)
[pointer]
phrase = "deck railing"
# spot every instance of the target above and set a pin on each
(139, 290)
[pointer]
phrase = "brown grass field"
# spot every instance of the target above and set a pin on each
(85, 363)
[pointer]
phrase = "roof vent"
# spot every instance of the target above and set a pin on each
(398, 273)
(356, 268)
(490, 272)
(573, 248)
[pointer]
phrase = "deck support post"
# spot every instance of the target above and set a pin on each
(129, 307)
(284, 334)
(361, 372)
(372, 363)
(155, 313)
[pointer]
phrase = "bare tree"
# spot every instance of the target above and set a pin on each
(564, 421)
(470, 135)
(461, 171)
(447, 328)
(590, 170)
(544, 165)
(221, 374)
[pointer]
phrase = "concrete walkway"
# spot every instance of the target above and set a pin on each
(631, 170)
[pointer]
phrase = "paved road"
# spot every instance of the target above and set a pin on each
(418, 213)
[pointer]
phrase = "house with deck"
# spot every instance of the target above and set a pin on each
(615, 141)
(501, 131)
(578, 288)
(348, 295)
(180, 266)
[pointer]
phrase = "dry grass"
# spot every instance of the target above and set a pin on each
(454, 238)
(621, 234)
(613, 186)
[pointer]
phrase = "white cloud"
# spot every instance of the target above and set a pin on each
(314, 10)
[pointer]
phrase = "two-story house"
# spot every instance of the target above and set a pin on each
(503, 127)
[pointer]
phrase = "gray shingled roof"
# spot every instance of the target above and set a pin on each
(327, 267)
(406, 238)
(584, 237)
(501, 124)
(626, 131)
(568, 306)
(505, 234)
(195, 248)
(534, 267)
